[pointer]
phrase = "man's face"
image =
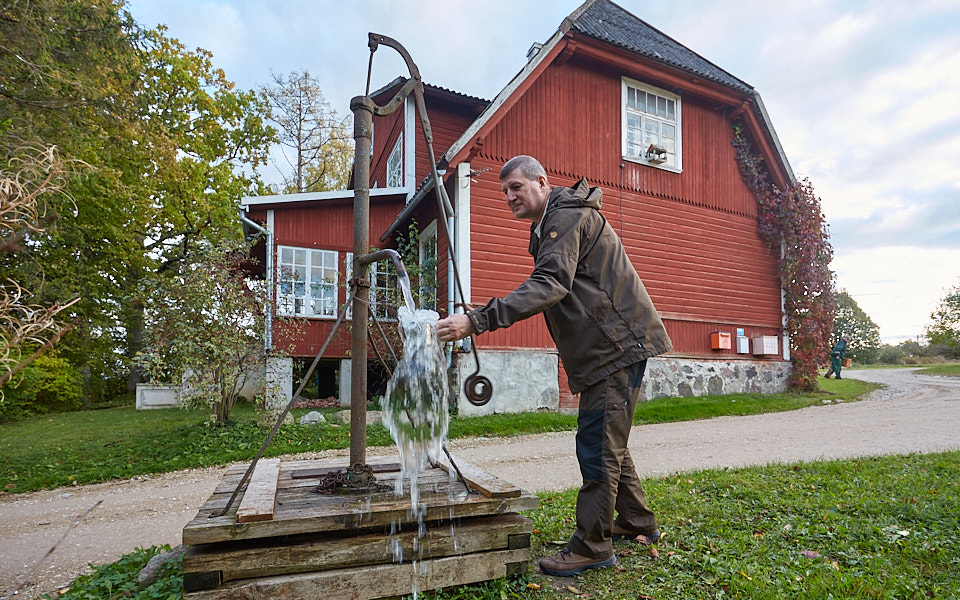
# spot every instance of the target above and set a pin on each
(525, 197)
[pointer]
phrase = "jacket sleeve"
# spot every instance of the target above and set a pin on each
(554, 268)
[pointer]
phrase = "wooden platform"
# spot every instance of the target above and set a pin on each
(353, 545)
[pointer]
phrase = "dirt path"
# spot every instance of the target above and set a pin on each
(913, 414)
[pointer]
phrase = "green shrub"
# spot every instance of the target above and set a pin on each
(48, 384)
(120, 580)
(890, 355)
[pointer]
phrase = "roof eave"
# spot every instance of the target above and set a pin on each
(768, 125)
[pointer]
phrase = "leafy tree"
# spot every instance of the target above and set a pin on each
(945, 329)
(850, 319)
(185, 181)
(169, 144)
(205, 328)
(315, 141)
(64, 65)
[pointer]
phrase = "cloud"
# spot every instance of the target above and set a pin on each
(921, 220)
(898, 286)
(864, 96)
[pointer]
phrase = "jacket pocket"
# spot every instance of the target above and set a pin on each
(605, 331)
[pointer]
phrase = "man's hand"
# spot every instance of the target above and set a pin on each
(455, 327)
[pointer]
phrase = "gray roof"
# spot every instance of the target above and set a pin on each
(398, 81)
(605, 21)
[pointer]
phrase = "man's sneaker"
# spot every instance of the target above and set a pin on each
(566, 563)
(620, 533)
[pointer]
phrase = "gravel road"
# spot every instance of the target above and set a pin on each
(913, 413)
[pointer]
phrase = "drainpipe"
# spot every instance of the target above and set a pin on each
(451, 278)
(268, 316)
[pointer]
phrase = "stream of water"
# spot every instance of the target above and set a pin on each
(415, 404)
(415, 411)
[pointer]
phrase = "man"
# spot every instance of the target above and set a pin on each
(836, 357)
(605, 327)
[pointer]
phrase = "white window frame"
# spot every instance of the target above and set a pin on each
(428, 236)
(307, 282)
(395, 165)
(653, 126)
(382, 280)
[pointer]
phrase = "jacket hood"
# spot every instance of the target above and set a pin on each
(578, 196)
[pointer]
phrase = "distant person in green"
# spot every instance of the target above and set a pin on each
(836, 357)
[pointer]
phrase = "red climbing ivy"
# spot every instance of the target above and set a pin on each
(792, 225)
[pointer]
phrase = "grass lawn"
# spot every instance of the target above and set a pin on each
(885, 527)
(949, 370)
(116, 443)
(869, 528)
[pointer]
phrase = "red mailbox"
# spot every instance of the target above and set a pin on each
(721, 340)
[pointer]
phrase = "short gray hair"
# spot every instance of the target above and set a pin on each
(527, 165)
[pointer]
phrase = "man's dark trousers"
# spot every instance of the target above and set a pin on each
(610, 479)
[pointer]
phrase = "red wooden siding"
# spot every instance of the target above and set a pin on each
(424, 215)
(554, 127)
(691, 236)
(692, 337)
(499, 258)
(323, 225)
(448, 120)
(386, 130)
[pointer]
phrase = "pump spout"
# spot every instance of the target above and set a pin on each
(379, 255)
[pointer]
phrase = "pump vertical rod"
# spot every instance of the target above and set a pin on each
(362, 108)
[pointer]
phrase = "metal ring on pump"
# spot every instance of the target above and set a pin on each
(478, 389)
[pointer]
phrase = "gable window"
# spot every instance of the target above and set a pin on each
(651, 125)
(395, 165)
(306, 282)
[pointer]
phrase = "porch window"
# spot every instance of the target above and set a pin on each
(428, 267)
(651, 125)
(306, 282)
(383, 288)
(395, 165)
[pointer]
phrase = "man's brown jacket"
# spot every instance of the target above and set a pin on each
(597, 309)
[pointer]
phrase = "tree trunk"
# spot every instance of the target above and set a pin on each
(134, 326)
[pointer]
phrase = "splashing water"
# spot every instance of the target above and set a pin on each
(415, 411)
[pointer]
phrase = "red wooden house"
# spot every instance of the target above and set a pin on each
(612, 99)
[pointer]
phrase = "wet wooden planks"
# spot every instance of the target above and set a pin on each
(375, 581)
(249, 559)
(258, 503)
(362, 545)
(298, 509)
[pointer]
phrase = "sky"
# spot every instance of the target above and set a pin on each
(864, 97)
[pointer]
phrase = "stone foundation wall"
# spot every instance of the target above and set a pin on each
(523, 381)
(675, 376)
(527, 380)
